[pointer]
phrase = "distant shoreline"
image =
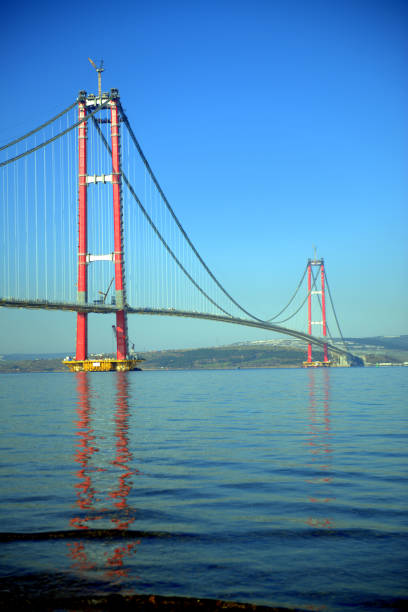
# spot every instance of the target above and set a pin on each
(377, 351)
(64, 370)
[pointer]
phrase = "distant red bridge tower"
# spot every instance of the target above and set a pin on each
(319, 263)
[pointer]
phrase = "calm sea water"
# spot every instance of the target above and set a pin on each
(280, 487)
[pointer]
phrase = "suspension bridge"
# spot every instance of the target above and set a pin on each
(86, 227)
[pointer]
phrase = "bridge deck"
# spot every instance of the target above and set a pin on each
(109, 309)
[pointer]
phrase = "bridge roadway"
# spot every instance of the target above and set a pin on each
(109, 309)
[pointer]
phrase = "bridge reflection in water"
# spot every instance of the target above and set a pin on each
(104, 479)
(319, 442)
(105, 474)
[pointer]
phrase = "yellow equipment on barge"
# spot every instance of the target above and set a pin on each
(317, 364)
(103, 365)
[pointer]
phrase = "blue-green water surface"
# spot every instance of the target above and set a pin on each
(280, 487)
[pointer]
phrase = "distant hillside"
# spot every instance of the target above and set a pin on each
(8, 366)
(241, 356)
(380, 349)
(388, 342)
(229, 357)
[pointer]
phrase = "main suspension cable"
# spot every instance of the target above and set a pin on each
(150, 171)
(156, 231)
(304, 301)
(327, 325)
(45, 143)
(40, 127)
(291, 299)
(334, 311)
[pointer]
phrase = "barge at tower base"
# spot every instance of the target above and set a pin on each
(103, 365)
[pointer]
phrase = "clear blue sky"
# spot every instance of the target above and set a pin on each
(272, 126)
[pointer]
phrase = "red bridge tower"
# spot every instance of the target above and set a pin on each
(319, 263)
(123, 361)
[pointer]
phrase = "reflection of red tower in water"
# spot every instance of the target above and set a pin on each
(123, 456)
(92, 499)
(320, 444)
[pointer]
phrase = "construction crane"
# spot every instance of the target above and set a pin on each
(105, 293)
(99, 71)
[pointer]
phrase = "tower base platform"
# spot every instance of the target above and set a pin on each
(102, 365)
(317, 364)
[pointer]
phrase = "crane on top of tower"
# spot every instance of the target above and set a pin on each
(99, 71)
